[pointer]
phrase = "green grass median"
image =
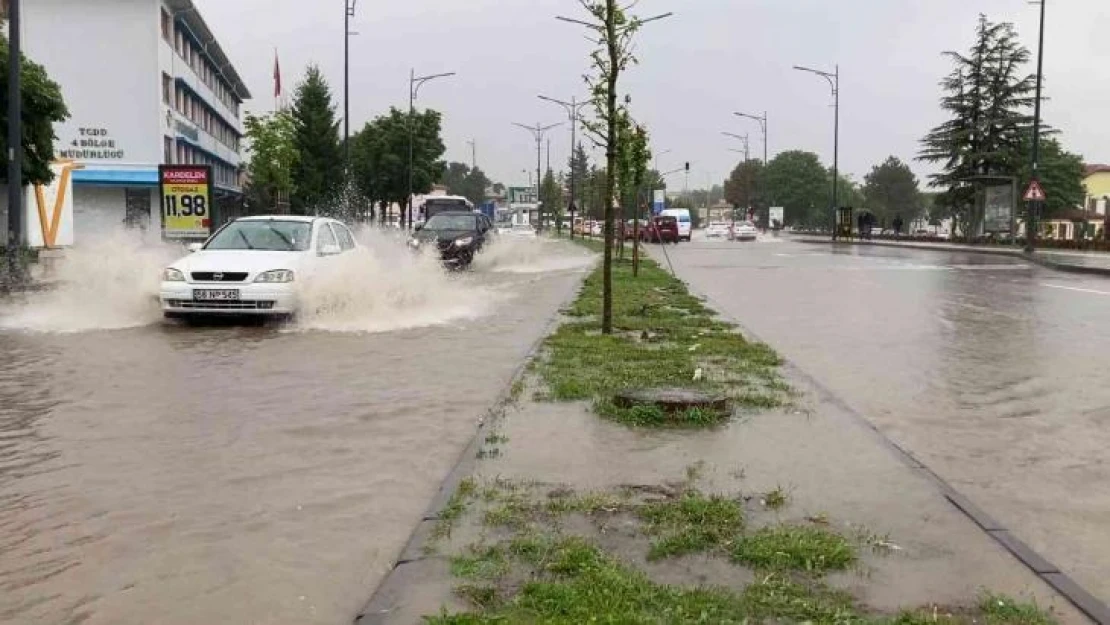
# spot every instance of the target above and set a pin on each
(662, 337)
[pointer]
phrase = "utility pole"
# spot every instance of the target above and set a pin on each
(538, 132)
(549, 155)
(473, 143)
(15, 145)
(1033, 208)
(572, 109)
(763, 126)
(348, 13)
(834, 83)
(415, 83)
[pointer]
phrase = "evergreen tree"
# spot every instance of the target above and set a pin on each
(318, 174)
(989, 98)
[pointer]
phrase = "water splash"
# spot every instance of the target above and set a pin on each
(382, 286)
(511, 254)
(107, 282)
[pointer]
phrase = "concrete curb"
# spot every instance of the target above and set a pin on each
(1047, 572)
(1013, 253)
(389, 590)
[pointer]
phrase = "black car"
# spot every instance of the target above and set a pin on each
(458, 235)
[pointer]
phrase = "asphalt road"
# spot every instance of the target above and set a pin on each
(988, 369)
(159, 473)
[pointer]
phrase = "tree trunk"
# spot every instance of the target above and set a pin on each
(611, 164)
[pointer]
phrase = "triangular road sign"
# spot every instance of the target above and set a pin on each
(1034, 192)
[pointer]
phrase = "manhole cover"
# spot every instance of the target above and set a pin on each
(672, 400)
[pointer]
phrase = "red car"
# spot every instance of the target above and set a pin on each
(661, 229)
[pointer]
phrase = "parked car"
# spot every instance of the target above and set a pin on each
(743, 231)
(630, 229)
(685, 223)
(252, 265)
(662, 229)
(717, 230)
(457, 235)
(596, 228)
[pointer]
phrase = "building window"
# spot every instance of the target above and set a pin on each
(167, 89)
(167, 149)
(167, 27)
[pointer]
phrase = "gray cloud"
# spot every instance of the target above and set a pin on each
(711, 58)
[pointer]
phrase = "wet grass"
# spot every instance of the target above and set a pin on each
(535, 573)
(663, 336)
(811, 549)
(692, 523)
(454, 509)
(776, 499)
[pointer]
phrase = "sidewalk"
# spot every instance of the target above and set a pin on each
(1074, 261)
(794, 512)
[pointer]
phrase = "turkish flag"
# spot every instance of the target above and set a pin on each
(277, 77)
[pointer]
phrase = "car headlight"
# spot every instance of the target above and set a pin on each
(414, 243)
(276, 275)
(169, 274)
(464, 241)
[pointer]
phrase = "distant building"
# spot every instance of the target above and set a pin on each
(1096, 179)
(146, 83)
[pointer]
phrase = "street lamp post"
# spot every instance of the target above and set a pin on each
(15, 144)
(1031, 210)
(763, 126)
(572, 109)
(538, 132)
(834, 83)
(747, 199)
(415, 82)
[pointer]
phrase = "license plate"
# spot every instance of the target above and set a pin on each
(216, 295)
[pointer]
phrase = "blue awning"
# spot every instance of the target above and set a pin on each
(117, 177)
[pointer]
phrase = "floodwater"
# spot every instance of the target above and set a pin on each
(153, 472)
(989, 370)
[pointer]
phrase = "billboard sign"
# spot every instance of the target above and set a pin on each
(999, 208)
(658, 201)
(186, 192)
(522, 195)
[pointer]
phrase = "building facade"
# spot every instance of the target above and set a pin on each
(1096, 179)
(146, 83)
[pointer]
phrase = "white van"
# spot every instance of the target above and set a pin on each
(684, 223)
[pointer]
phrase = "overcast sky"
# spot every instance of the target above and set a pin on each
(712, 58)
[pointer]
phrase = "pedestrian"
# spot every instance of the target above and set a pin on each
(861, 222)
(898, 226)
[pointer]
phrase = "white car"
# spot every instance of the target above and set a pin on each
(717, 230)
(743, 231)
(252, 266)
(523, 231)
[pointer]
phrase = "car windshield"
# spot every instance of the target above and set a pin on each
(269, 235)
(451, 222)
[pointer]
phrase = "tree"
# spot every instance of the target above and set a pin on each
(1060, 173)
(744, 183)
(989, 99)
(890, 190)
(43, 107)
(318, 174)
(615, 31)
(379, 155)
(551, 195)
(461, 179)
(579, 167)
(273, 158)
(798, 182)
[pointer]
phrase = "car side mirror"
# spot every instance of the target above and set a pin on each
(418, 227)
(194, 247)
(329, 249)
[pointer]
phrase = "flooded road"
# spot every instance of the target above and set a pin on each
(160, 473)
(988, 369)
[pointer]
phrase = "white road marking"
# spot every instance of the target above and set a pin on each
(1074, 288)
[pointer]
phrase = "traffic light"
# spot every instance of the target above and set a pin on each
(687, 166)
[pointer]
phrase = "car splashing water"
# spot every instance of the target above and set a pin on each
(383, 286)
(513, 254)
(107, 282)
